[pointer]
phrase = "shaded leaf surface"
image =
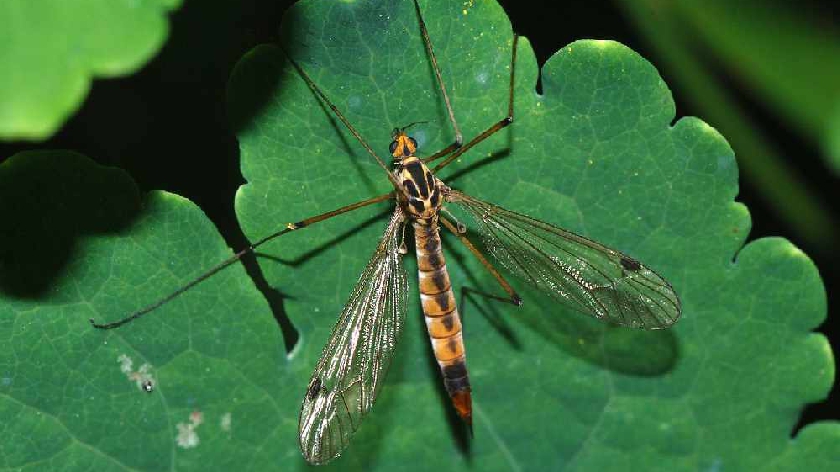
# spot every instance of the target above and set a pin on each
(596, 153)
(78, 242)
(50, 50)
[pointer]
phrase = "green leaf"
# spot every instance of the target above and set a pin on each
(761, 43)
(78, 242)
(762, 166)
(50, 50)
(596, 153)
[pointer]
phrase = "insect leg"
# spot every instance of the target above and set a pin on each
(459, 139)
(452, 147)
(341, 117)
(494, 128)
(514, 298)
(289, 228)
(496, 319)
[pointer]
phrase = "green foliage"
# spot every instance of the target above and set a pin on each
(596, 153)
(51, 49)
(786, 54)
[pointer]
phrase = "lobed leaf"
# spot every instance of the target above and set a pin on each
(50, 50)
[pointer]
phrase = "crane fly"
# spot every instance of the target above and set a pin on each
(576, 271)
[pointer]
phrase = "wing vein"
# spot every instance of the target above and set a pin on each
(584, 274)
(352, 367)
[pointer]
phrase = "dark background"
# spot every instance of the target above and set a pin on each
(166, 125)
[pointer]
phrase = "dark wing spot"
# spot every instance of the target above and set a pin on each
(410, 188)
(630, 264)
(314, 388)
(418, 205)
(416, 171)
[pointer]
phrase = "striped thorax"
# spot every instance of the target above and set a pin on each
(421, 190)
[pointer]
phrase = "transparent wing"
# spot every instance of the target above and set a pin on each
(355, 360)
(574, 270)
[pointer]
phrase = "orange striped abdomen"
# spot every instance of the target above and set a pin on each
(441, 314)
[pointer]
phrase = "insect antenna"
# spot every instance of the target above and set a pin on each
(412, 124)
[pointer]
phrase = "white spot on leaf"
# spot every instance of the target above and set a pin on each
(225, 422)
(142, 377)
(187, 433)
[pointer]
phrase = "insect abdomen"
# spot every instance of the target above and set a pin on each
(442, 320)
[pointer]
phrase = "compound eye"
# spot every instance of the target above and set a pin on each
(413, 142)
(392, 147)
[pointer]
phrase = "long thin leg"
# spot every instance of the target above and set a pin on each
(496, 127)
(459, 138)
(441, 153)
(289, 228)
(492, 316)
(343, 119)
(514, 298)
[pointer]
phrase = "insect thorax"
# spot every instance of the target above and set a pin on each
(421, 196)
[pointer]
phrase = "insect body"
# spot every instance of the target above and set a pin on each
(421, 201)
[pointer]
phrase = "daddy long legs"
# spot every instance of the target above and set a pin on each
(574, 270)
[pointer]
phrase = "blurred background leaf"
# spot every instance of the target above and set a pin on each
(786, 53)
(50, 50)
